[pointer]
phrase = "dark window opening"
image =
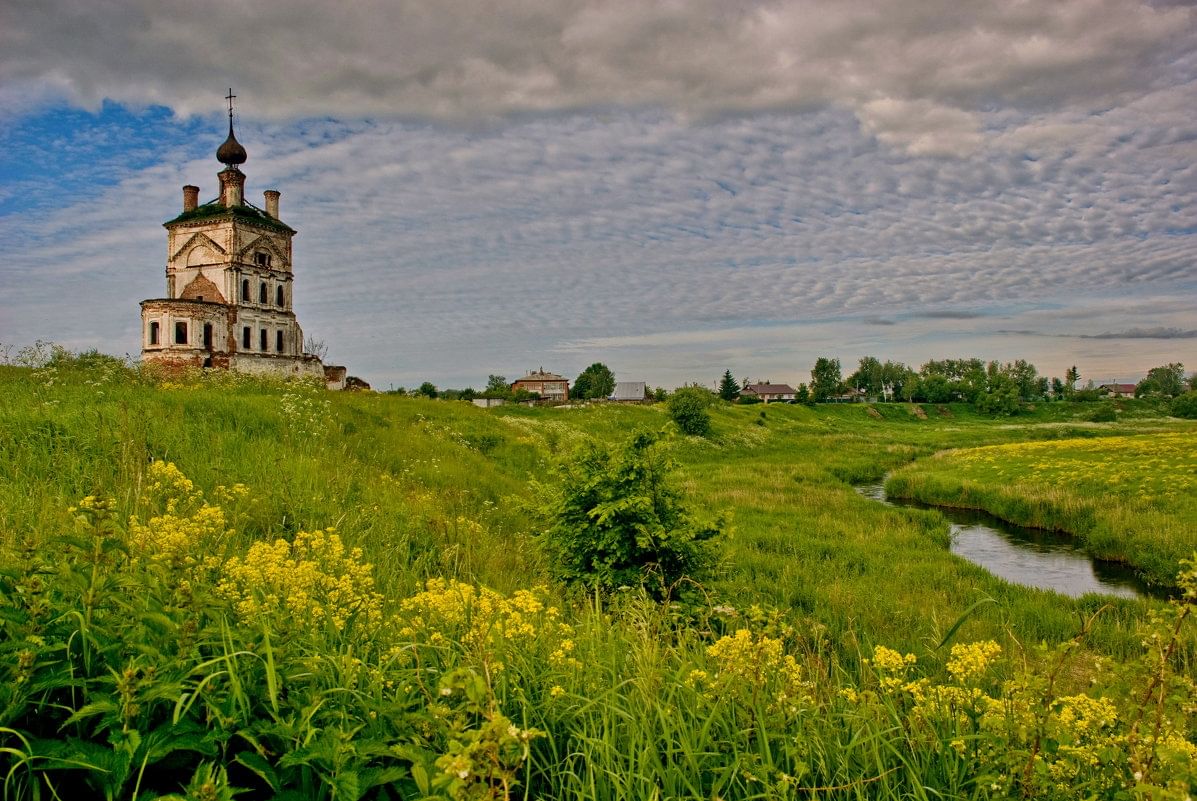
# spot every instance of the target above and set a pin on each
(262, 340)
(278, 295)
(245, 335)
(180, 333)
(245, 289)
(262, 259)
(154, 333)
(200, 298)
(207, 336)
(278, 341)
(262, 292)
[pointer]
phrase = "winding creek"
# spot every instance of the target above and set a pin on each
(1029, 556)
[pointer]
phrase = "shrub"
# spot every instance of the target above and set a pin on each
(616, 521)
(1103, 414)
(1003, 401)
(688, 408)
(1185, 406)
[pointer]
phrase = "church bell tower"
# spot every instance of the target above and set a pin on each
(229, 282)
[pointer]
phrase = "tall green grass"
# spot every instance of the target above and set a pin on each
(138, 679)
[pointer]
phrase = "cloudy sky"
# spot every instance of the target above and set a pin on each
(672, 187)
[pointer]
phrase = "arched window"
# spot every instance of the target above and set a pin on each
(278, 295)
(154, 333)
(262, 293)
(245, 290)
(181, 333)
(262, 340)
(278, 341)
(245, 337)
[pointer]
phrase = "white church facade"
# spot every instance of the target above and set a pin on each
(229, 285)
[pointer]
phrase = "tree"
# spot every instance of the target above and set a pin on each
(427, 389)
(869, 376)
(1071, 376)
(802, 394)
(617, 521)
(729, 390)
(1168, 380)
(1000, 397)
(1057, 388)
(825, 379)
(497, 387)
(688, 408)
(1025, 377)
(596, 381)
(965, 378)
(316, 347)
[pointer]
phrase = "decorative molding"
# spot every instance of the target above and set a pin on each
(195, 240)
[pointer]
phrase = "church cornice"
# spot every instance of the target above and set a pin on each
(216, 211)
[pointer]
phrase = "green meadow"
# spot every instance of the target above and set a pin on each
(214, 587)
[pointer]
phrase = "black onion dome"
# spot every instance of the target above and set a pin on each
(231, 152)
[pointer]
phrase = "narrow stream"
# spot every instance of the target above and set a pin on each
(1029, 556)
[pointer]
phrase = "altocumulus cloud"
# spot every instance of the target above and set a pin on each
(672, 187)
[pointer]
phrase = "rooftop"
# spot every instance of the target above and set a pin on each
(214, 209)
(541, 375)
(769, 389)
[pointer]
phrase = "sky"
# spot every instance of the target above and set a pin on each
(672, 187)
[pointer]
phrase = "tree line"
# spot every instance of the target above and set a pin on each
(994, 387)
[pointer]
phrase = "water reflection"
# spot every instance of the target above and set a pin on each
(1029, 556)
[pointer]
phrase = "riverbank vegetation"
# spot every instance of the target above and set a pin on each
(212, 582)
(1130, 499)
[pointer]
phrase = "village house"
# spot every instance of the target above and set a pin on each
(629, 392)
(1117, 390)
(230, 285)
(769, 393)
(549, 386)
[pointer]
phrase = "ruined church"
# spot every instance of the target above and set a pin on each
(230, 284)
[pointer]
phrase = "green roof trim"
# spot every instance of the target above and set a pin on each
(215, 209)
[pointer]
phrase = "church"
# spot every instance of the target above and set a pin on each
(230, 284)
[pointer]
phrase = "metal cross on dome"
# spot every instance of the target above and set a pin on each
(229, 97)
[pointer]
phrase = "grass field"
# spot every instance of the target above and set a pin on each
(225, 635)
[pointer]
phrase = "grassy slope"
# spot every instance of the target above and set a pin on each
(432, 488)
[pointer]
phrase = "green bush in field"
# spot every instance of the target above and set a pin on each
(1185, 406)
(617, 521)
(1104, 413)
(688, 408)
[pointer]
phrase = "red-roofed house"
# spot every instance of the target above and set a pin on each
(1117, 390)
(769, 392)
